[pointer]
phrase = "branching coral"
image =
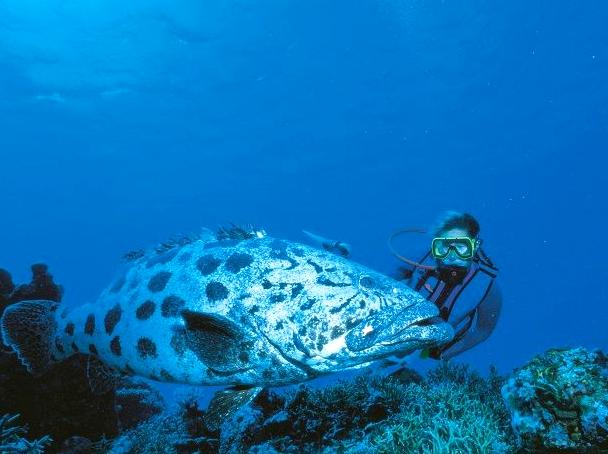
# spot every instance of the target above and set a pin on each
(12, 439)
(443, 418)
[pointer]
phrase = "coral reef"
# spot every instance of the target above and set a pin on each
(559, 401)
(452, 410)
(70, 407)
(198, 437)
(181, 432)
(42, 287)
(159, 434)
(136, 401)
(82, 445)
(12, 439)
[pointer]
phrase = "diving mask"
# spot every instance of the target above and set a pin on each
(464, 247)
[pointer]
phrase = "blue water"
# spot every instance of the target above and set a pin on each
(123, 125)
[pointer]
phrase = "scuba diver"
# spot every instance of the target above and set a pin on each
(455, 265)
(455, 274)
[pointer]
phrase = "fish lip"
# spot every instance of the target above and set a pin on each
(434, 320)
(428, 312)
(415, 324)
(434, 331)
(428, 320)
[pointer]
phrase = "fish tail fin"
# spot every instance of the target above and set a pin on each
(29, 327)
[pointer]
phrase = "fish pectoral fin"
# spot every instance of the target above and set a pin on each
(28, 328)
(226, 403)
(101, 377)
(217, 341)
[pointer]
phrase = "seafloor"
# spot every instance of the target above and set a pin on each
(557, 402)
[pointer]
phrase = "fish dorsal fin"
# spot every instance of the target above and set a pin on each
(225, 404)
(216, 340)
(239, 232)
(175, 242)
(102, 378)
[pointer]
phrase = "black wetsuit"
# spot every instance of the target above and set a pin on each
(473, 319)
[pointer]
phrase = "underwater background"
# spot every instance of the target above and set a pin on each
(124, 124)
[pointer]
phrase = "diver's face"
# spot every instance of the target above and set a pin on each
(452, 259)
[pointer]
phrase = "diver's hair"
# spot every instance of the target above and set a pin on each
(456, 220)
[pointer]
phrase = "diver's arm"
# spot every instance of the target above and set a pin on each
(486, 317)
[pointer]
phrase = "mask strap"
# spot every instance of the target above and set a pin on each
(484, 259)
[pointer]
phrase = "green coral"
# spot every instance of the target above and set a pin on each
(12, 438)
(453, 411)
(442, 419)
(559, 401)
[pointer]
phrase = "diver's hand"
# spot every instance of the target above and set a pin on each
(433, 353)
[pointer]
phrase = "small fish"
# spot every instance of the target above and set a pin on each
(333, 246)
(249, 312)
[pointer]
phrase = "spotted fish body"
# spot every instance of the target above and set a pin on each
(258, 311)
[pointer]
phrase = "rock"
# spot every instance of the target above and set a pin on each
(234, 431)
(6, 283)
(70, 408)
(42, 287)
(76, 445)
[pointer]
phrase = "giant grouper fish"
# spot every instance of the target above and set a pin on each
(235, 308)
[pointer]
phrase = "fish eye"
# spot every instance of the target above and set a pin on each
(367, 282)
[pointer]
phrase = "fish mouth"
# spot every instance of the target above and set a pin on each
(418, 326)
(426, 329)
(428, 321)
(423, 335)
